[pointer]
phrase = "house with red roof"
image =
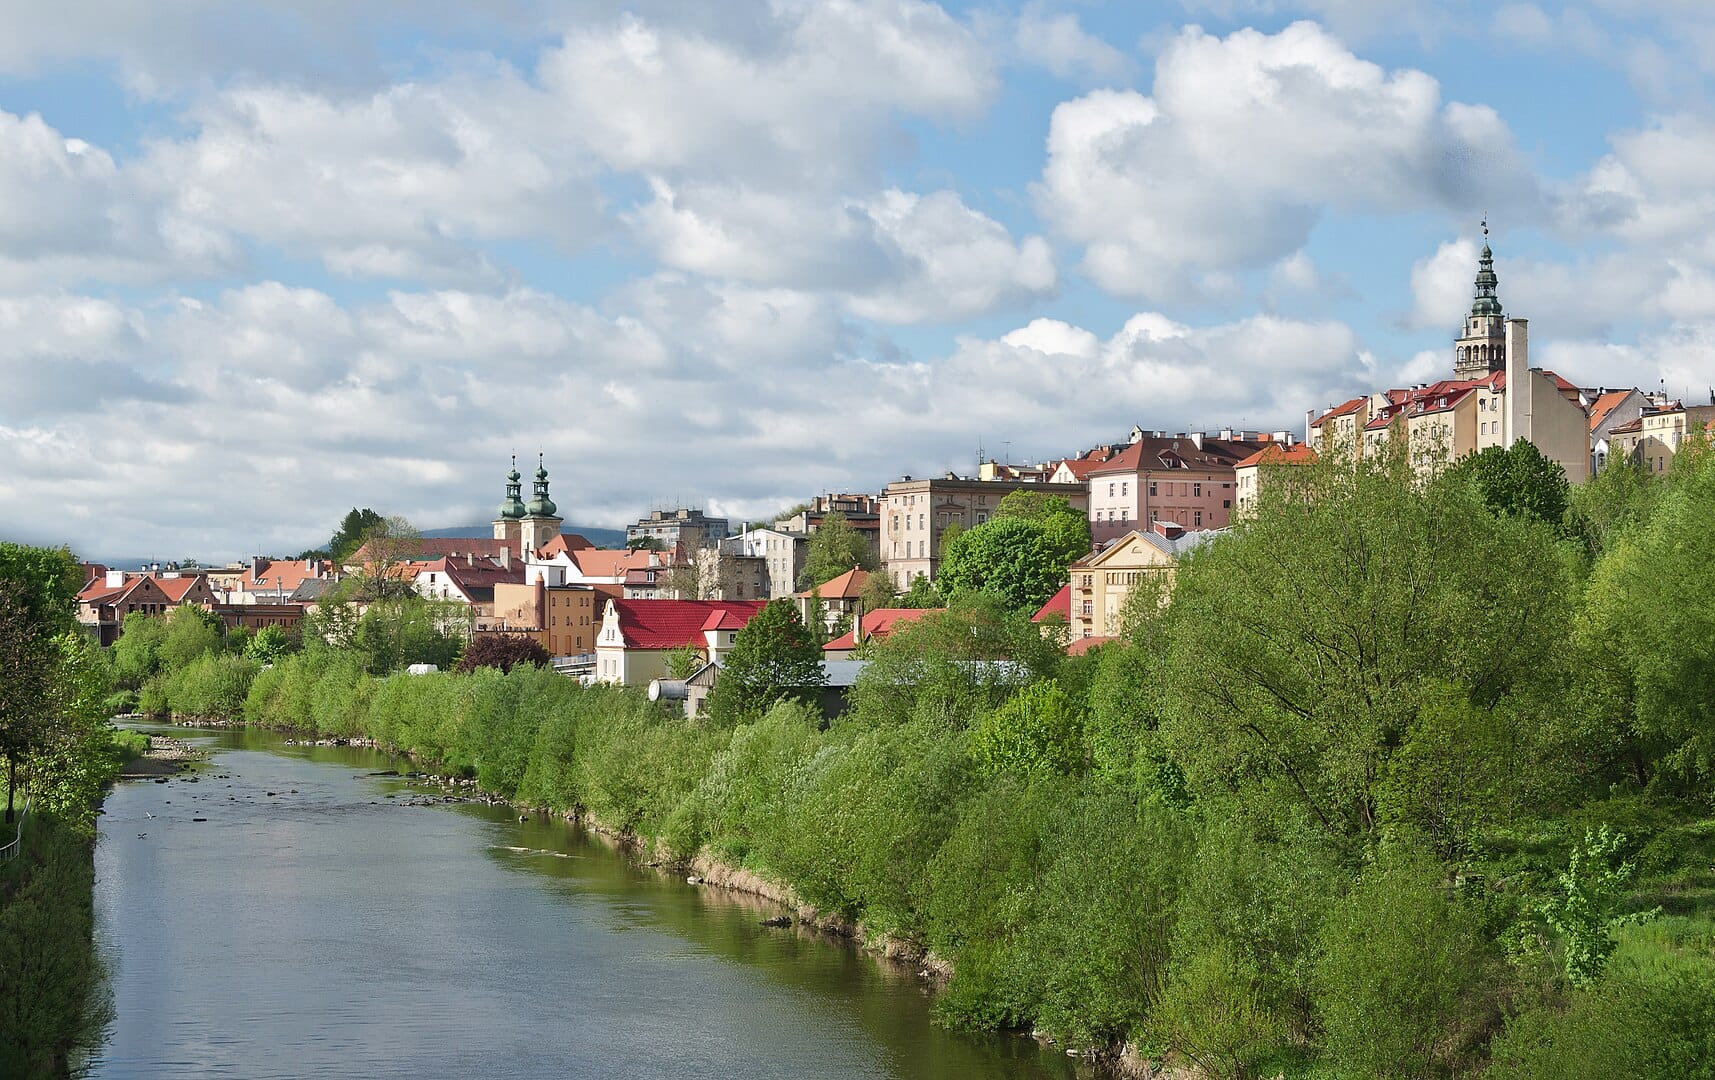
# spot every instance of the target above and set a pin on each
(1609, 411)
(841, 596)
(1248, 474)
(468, 580)
(1185, 478)
(1495, 398)
(875, 625)
(637, 635)
(104, 601)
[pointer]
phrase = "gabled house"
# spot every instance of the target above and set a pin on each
(637, 635)
(104, 602)
(1248, 474)
(841, 596)
(875, 625)
(1101, 582)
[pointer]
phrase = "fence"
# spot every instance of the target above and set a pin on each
(10, 851)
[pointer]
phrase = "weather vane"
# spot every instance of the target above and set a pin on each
(1485, 224)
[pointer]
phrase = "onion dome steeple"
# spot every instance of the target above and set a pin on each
(1486, 302)
(540, 504)
(513, 506)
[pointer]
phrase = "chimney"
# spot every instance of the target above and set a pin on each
(1197, 439)
(505, 557)
(1171, 530)
(1517, 421)
(116, 579)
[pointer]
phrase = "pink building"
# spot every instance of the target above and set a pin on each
(1186, 479)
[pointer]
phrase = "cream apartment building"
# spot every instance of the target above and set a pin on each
(915, 513)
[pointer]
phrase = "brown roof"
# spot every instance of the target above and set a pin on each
(848, 586)
(1275, 454)
(1605, 404)
(602, 563)
(1339, 410)
(1080, 646)
(566, 542)
(878, 624)
(1177, 452)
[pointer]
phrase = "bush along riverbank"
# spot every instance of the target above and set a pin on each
(60, 748)
(1410, 779)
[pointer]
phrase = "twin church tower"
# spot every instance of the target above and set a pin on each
(527, 526)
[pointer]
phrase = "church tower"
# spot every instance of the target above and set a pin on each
(541, 517)
(506, 522)
(1482, 348)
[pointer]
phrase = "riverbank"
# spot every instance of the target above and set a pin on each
(349, 883)
(165, 756)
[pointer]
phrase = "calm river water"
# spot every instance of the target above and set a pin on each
(314, 926)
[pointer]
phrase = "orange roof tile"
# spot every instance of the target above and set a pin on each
(878, 624)
(848, 586)
(1275, 454)
(1605, 404)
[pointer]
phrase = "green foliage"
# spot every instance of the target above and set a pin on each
(1039, 728)
(1648, 1019)
(351, 531)
(1212, 1014)
(1614, 503)
(775, 658)
(51, 999)
(683, 662)
(878, 592)
(191, 632)
(1066, 531)
(396, 633)
(214, 686)
(834, 548)
(1583, 909)
(1010, 558)
(269, 645)
(137, 653)
(1402, 966)
(1517, 479)
(1647, 632)
(920, 595)
(1301, 647)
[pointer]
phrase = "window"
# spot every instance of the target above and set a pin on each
(981, 517)
(1125, 489)
(1197, 490)
(1110, 491)
(1197, 519)
(1152, 489)
(1226, 504)
(922, 521)
(920, 551)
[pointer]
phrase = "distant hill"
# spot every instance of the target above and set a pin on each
(607, 538)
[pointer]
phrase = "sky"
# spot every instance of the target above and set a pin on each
(263, 263)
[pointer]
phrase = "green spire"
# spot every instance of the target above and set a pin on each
(513, 507)
(1486, 303)
(540, 504)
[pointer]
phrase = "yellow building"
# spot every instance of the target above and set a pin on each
(1654, 437)
(1102, 581)
(1248, 474)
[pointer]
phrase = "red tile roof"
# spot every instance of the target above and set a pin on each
(566, 542)
(673, 624)
(1081, 467)
(1605, 404)
(176, 588)
(285, 575)
(878, 624)
(1059, 604)
(723, 620)
(602, 563)
(1177, 452)
(1339, 410)
(1080, 646)
(848, 586)
(1275, 454)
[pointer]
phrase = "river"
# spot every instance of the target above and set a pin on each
(288, 914)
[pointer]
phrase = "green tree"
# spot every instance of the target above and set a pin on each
(137, 653)
(351, 532)
(1399, 947)
(1066, 530)
(1039, 728)
(38, 596)
(191, 632)
(1302, 648)
(920, 595)
(877, 592)
(834, 548)
(775, 658)
(1583, 909)
(1614, 503)
(394, 634)
(1517, 479)
(269, 644)
(1010, 558)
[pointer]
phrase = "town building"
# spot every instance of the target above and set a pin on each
(636, 636)
(105, 600)
(1187, 478)
(1610, 409)
(782, 551)
(1100, 582)
(1077, 470)
(1248, 474)
(1494, 399)
(842, 598)
(1659, 431)
(916, 514)
(877, 625)
(862, 513)
(564, 619)
(686, 527)
(469, 581)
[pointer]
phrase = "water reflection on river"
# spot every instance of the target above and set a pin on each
(326, 930)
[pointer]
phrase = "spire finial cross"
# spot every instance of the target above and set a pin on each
(1485, 224)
